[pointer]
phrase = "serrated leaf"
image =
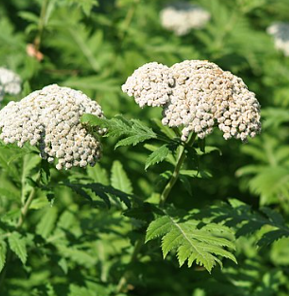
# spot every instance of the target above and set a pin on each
(18, 246)
(274, 216)
(98, 174)
(158, 228)
(157, 156)
(119, 178)
(101, 191)
(132, 131)
(192, 244)
(81, 257)
(170, 158)
(47, 222)
(2, 255)
(271, 236)
(240, 216)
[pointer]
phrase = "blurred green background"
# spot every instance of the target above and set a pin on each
(94, 46)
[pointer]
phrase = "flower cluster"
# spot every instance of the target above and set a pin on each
(50, 119)
(280, 32)
(181, 17)
(10, 83)
(197, 95)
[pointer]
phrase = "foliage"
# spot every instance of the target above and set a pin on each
(153, 205)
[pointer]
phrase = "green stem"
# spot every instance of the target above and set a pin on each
(180, 160)
(25, 208)
(128, 19)
(41, 25)
(139, 244)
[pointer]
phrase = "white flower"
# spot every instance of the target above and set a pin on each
(181, 17)
(150, 85)
(280, 32)
(199, 96)
(50, 119)
(10, 83)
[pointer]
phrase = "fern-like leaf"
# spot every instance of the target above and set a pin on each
(100, 190)
(245, 221)
(132, 131)
(119, 178)
(18, 246)
(201, 246)
(157, 156)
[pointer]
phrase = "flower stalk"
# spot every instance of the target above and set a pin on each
(180, 160)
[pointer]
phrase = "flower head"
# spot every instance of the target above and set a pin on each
(181, 17)
(50, 119)
(10, 83)
(199, 95)
(280, 32)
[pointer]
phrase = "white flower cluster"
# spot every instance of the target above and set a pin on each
(50, 119)
(181, 17)
(10, 83)
(280, 32)
(152, 81)
(197, 95)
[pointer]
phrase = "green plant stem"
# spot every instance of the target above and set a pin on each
(128, 19)
(25, 208)
(180, 160)
(41, 25)
(139, 244)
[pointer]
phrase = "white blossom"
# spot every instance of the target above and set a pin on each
(50, 119)
(280, 32)
(150, 85)
(182, 17)
(10, 83)
(199, 96)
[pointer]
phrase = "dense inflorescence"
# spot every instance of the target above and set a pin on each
(197, 95)
(182, 17)
(50, 119)
(150, 85)
(280, 32)
(10, 83)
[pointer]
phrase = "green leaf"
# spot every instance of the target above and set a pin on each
(132, 131)
(18, 246)
(79, 256)
(271, 184)
(44, 173)
(207, 150)
(102, 191)
(271, 236)
(47, 222)
(2, 255)
(29, 16)
(240, 216)
(157, 156)
(192, 244)
(9, 193)
(85, 5)
(119, 178)
(98, 174)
